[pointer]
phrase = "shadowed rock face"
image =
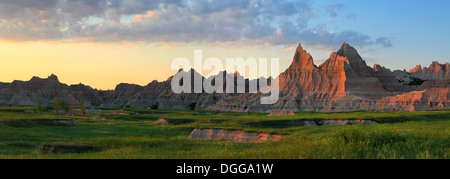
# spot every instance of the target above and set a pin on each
(393, 81)
(236, 136)
(343, 82)
(43, 91)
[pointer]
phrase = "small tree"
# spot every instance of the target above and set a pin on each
(38, 109)
(192, 106)
(56, 105)
(82, 108)
(155, 106)
(65, 107)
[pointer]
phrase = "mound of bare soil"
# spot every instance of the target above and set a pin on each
(236, 136)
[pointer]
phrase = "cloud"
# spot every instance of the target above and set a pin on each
(384, 42)
(332, 8)
(239, 22)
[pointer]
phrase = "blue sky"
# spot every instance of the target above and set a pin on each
(419, 29)
(397, 34)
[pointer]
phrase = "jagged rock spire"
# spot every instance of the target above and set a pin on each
(302, 59)
(345, 46)
(53, 77)
(348, 51)
(416, 69)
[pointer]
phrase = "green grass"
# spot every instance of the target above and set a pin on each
(423, 135)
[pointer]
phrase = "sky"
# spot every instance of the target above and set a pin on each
(106, 42)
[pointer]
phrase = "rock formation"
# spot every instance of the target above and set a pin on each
(435, 76)
(43, 91)
(282, 113)
(236, 136)
(436, 71)
(343, 82)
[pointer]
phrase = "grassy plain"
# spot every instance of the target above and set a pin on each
(136, 134)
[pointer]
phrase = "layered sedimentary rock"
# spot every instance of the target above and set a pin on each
(435, 76)
(436, 71)
(43, 91)
(236, 136)
(343, 82)
(429, 99)
(154, 93)
(393, 81)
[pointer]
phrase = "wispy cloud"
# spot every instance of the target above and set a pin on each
(332, 8)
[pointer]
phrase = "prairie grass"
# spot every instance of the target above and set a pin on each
(137, 135)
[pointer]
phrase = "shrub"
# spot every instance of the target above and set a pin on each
(192, 106)
(416, 81)
(82, 108)
(155, 106)
(38, 109)
(65, 107)
(56, 105)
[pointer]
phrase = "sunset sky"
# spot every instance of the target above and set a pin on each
(106, 42)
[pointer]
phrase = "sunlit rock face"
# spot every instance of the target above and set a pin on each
(435, 76)
(436, 71)
(343, 82)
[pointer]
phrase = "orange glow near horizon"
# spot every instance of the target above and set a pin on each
(100, 66)
(104, 65)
